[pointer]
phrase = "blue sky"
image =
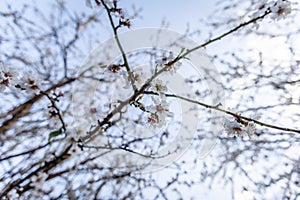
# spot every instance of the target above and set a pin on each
(177, 14)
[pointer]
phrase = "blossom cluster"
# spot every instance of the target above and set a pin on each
(279, 9)
(8, 77)
(37, 182)
(11, 78)
(238, 127)
(158, 112)
(159, 108)
(13, 194)
(165, 60)
(159, 86)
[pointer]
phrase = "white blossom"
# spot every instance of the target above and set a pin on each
(166, 59)
(75, 150)
(8, 77)
(238, 127)
(30, 81)
(75, 133)
(158, 86)
(154, 121)
(261, 8)
(138, 77)
(159, 112)
(12, 195)
(280, 9)
(250, 128)
(232, 127)
(38, 180)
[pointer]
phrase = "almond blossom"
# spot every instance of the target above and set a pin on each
(38, 180)
(13, 194)
(159, 112)
(279, 9)
(238, 127)
(29, 82)
(8, 77)
(159, 86)
(166, 59)
(11, 78)
(138, 77)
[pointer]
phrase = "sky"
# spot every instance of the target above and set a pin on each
(177, 16)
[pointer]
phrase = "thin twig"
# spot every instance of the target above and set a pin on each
(115, 30)
(228, 112)
(58, 113)
(223, 35)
